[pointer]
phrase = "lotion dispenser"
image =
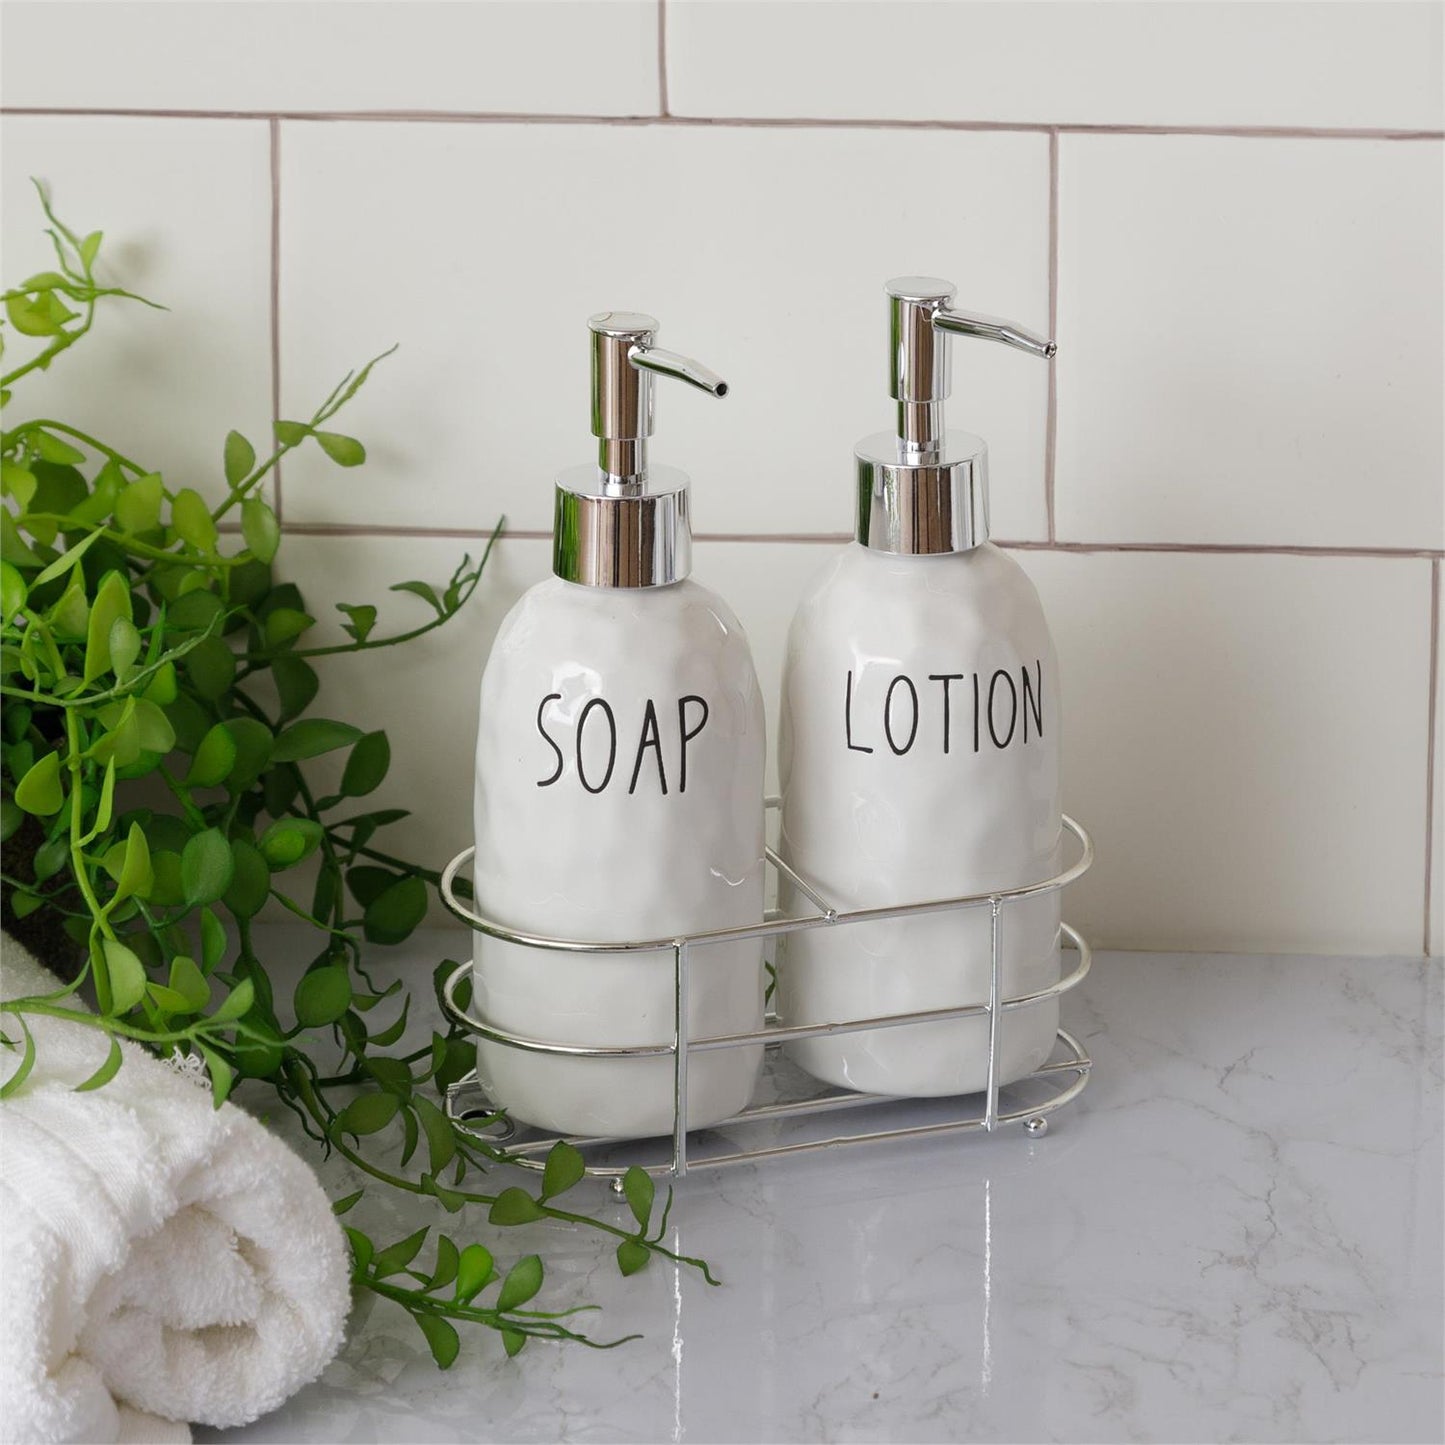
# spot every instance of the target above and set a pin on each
(919, 749)
(619, 790)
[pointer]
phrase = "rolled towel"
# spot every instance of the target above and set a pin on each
(164, 1261)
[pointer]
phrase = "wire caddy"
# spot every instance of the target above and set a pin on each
(790, 1111)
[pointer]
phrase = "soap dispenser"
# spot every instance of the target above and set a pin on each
(619, 790)
(919, 749)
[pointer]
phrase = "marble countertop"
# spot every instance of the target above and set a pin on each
(1234, 1234)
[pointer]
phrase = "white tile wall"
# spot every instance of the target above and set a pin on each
(1251, 341)
(1250, 356)
(1191, 62)
(1435, 802)
(186, 208)
(569, 57)
(483, 249)
(1246, 738)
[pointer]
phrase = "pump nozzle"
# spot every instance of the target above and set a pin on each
(923, 491)
(919, 309)
(624, 361)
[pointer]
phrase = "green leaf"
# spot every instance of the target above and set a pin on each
(18, 482)
(125, 646)
(112, 603)
(441, 1142)
(361, 1248)
(395, 1257)
(239, 457)
(253, 752)
(474, 1272)
(393, 915)
(444, 1270)
(637, 1185)
(207, 867)
(191, 519)
(11, 817)
(342, 1205)
(13, 590)
(30, 317)
(39, 791)
(52, 449)
(213, 940)
(162, 689)
(127, 976)
(424, 590)
(367, 765)
(632, 1256)
(343, 450)
(66, 560)
(196, 610)
(211, 667)
(514, 1206)
(106, 1072)
(284, 624)
(138, 506)
(291, 433)
(394, 1030)
(236, 1004)
(27, 1062)
(296, 684)
(222, 1074)
(188, 981)
(362, 618)
(136, 874)
(214, 759)
(289, 841)
(106, 806)
(564, 1168)
(366, 1114)
(441, 1337)
(322, 996)
(250, 880)
(90, 248)
(153, 727)
(311, 737)
(512, 1342)
(260, 529)
(523, 1281)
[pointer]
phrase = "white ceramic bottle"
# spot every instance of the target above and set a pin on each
(619, 790)
(919, 749)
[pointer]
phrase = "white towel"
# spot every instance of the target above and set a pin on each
(164, 1261)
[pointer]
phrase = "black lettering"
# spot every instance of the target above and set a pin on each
(612, 744)
(1013, 705)
(686, 736)
(1033, 704)
(848, 718)
(888, 714)
(975, 712)
(945, 678)
(541, 708)
(650, 738)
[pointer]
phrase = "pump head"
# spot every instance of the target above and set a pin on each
(924, 490)
(621, 524)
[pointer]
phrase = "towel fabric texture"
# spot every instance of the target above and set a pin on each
(163, 1261)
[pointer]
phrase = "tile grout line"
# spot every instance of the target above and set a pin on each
(662, 108)
(1203, 549)
(1243, 132)
(276, 299)
(1430, 717)
(1051, 414)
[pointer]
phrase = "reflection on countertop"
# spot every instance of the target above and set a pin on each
(1235, 1234)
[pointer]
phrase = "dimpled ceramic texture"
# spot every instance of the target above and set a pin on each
(647, 824)
(958, 794)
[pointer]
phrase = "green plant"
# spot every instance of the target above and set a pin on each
(160, 778)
